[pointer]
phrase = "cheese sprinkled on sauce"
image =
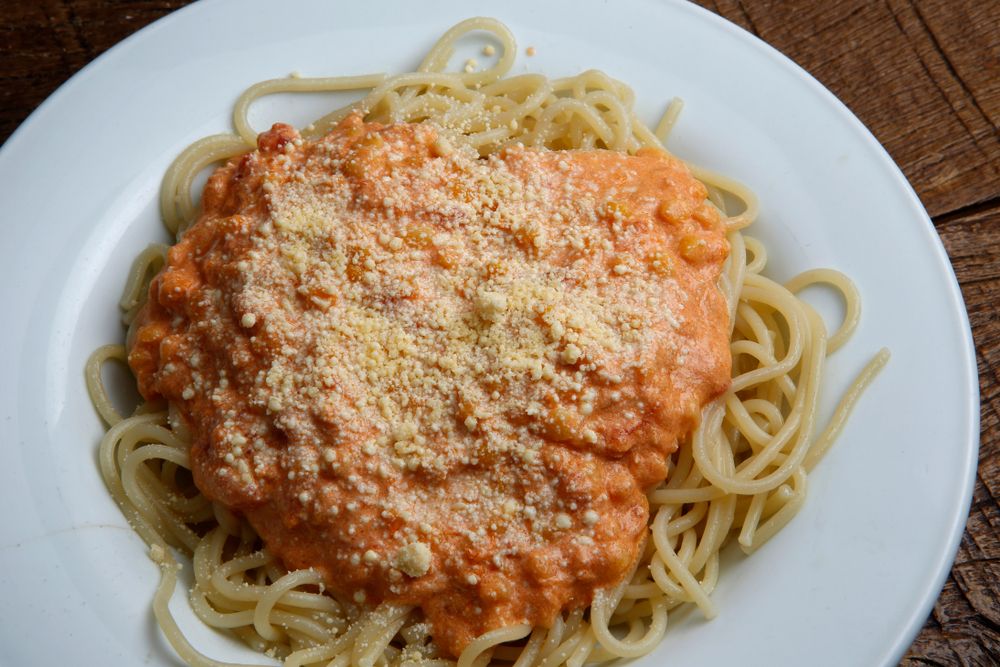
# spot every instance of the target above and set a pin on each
(440, 379)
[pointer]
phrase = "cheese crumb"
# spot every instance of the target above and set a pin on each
(490, 305)
(414, 559)
(571, 354)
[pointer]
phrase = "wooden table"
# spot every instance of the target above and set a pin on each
(923, 75)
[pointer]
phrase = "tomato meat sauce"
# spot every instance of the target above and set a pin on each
(440, 379)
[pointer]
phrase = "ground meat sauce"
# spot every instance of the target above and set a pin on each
(440, 379)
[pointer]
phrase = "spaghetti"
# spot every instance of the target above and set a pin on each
(742, 474)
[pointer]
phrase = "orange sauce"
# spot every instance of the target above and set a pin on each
(438, 379)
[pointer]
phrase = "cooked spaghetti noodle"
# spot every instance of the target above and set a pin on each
(741, 475)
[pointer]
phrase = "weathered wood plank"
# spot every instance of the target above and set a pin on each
(36, 57)
(881, 60)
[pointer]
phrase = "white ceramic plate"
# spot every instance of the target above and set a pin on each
(849, 582)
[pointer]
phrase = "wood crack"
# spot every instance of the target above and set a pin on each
(951, 66)
(74, 23)
(827, 27)
(930, 75)
(750, 21)
(966, 211)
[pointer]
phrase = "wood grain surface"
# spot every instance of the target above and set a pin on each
(923, 75)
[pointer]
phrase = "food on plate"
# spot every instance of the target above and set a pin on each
(472, 369)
